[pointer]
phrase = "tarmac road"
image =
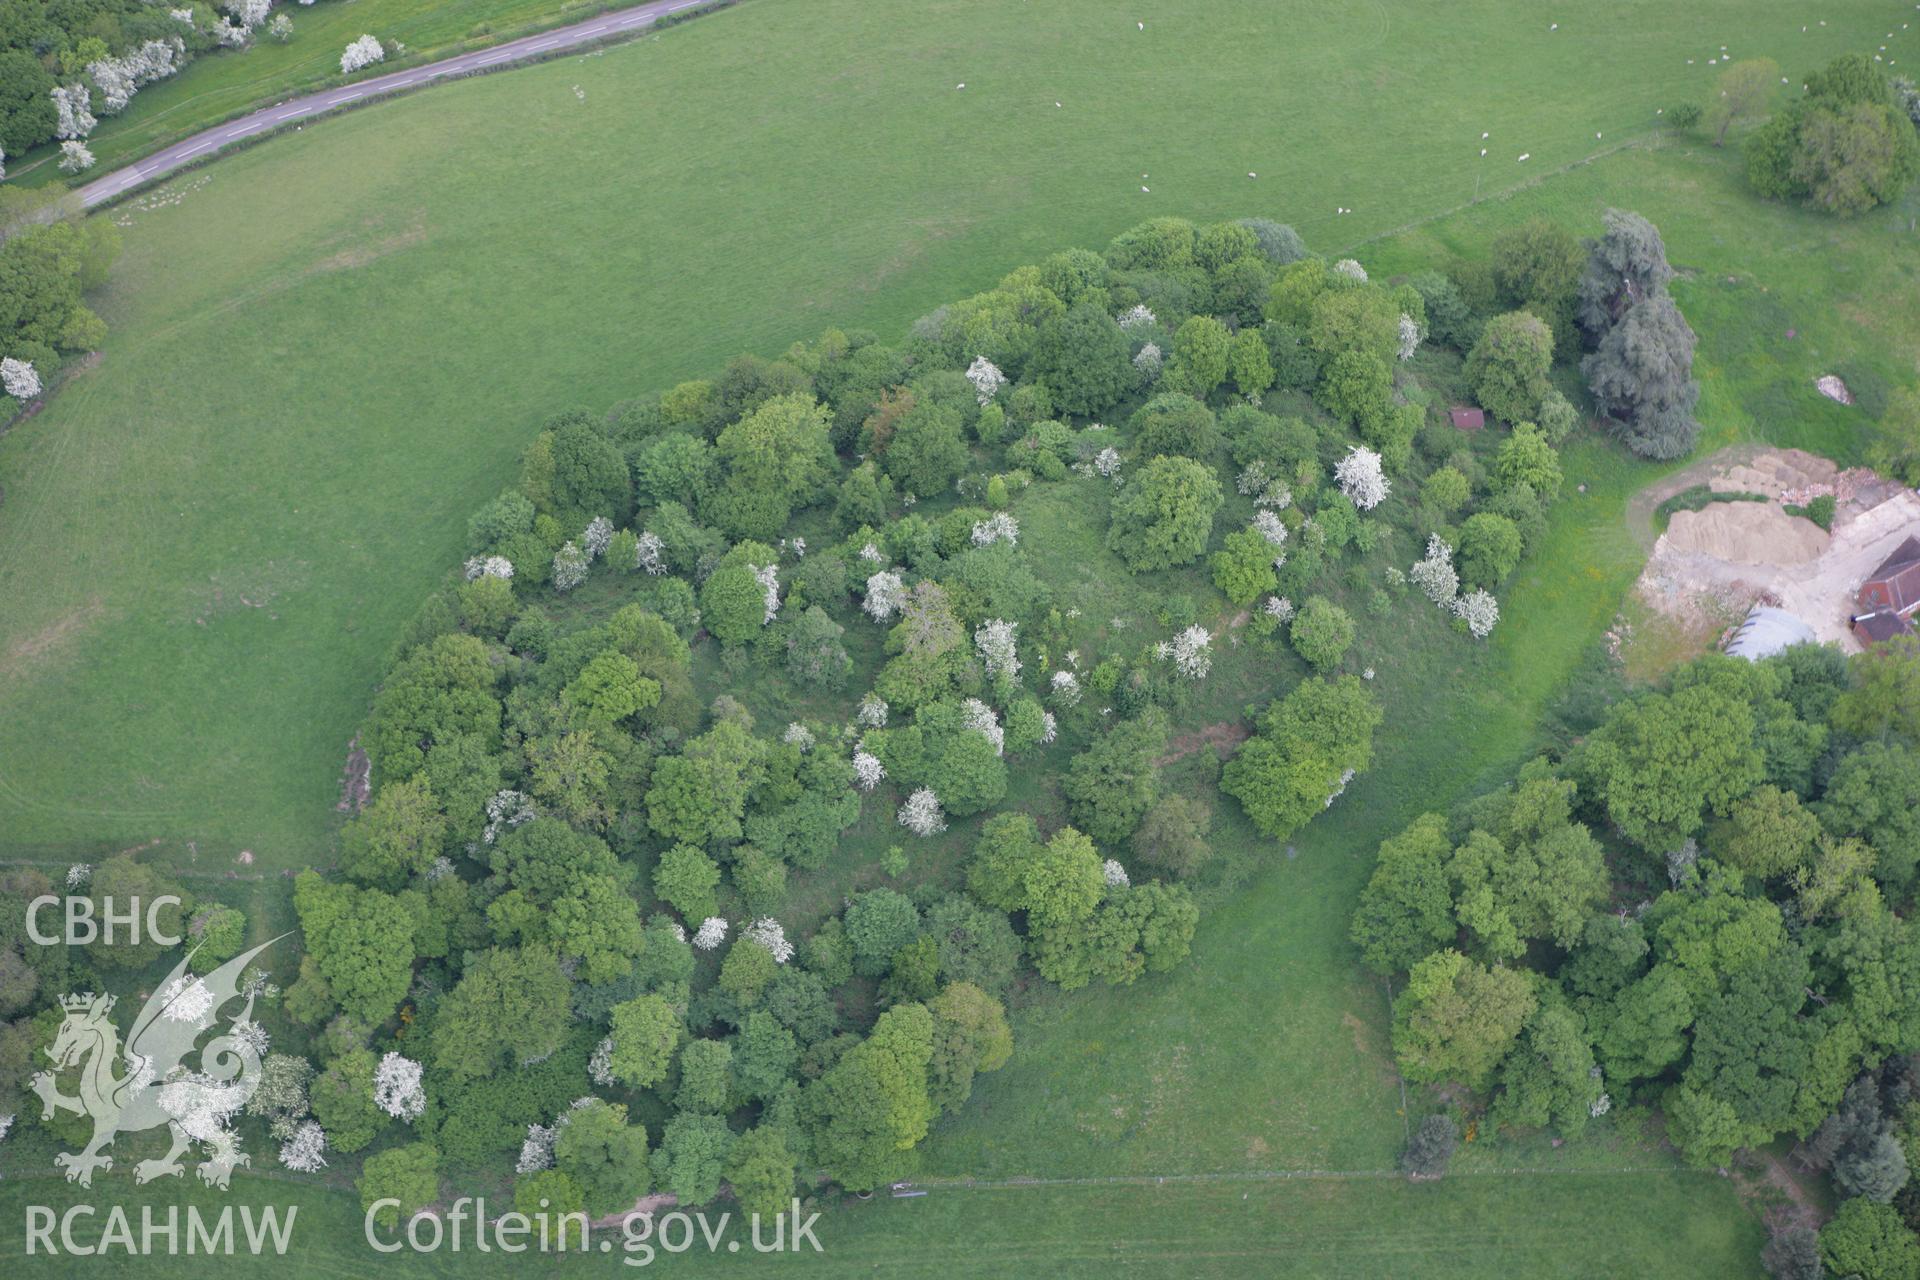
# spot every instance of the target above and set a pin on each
(210, 142)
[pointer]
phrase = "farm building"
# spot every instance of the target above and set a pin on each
(1766, 631)
(1467, 418)
(1890, 595)
(1872, 628)
(1895, 585)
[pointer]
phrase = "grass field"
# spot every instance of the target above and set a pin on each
(1464, 1228)
(331, 348)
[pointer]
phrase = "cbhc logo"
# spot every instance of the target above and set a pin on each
(82, 928)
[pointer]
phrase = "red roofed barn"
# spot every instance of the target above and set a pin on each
(1890, 596)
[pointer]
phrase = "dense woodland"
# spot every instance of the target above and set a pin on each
(1701, 908)
(556, 946)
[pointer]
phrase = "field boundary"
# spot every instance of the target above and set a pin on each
(1278, 1175)
(1649, 138)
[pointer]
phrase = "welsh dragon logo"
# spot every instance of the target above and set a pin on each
(148, 1084)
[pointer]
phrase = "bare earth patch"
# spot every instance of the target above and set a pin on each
(1223, 737)
(1748, 533)
(25, 650)
(355, 779)
(1711, 566)
(645, 1205)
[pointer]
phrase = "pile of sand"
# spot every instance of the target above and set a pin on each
(1778, 474)
(1757, 533)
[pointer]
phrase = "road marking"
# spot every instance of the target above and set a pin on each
(198, 146)
(544, 44)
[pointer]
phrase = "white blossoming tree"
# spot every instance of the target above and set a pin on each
(1268, 526)
(118, 79)
(886, 593)
(73, 111)
(986, 379)
(569, 567)
(1351, 270)
(600, 1065)
(305, 1151)
(397, 1088)
(536, 1153)
(711, 933)
(922, 814)
(187, 999)
(18, 379)
(488, 567)
(768, 576)
(873, 711)
(998, 527)
(798, 735)
(506, 809)
(650, 553)
(75, 158)
(1149, 361)
(362, 53)
(1279, 608)
(1361, 478)
(1066, 688)
(599, 533)
(766, 931)
(867, 770)
(1409, 336)
(1191, 652)
(1435, 574)
(1137, 317)
(248, 13)
(253, 1036)
(1479, 611)
(994, 639)
(1114, 874)
(1107, 462)
(981, 719)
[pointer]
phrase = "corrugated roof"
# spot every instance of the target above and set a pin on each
(1896, 583)
(1875, 627)
(1767, 631)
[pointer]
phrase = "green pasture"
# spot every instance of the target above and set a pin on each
(328, 349)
